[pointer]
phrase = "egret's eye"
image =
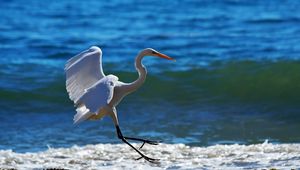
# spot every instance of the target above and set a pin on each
(154, 52)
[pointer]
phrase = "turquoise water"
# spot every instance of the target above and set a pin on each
(236, 79)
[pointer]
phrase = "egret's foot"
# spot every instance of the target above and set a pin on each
(151, 160)
(151, 142)
(124, 139)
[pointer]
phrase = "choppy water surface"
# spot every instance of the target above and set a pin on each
(236, 79)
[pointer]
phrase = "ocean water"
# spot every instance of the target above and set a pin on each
(236, 79)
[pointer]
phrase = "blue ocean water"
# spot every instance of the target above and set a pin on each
(236, 79)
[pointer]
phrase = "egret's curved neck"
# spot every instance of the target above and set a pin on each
(142, 74)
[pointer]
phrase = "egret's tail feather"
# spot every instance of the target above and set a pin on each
(83, 113)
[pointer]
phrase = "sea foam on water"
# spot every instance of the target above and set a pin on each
(172, 156)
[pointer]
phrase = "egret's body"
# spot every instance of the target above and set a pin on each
(96, 95)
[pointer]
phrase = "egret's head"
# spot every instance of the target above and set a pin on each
(94, 48)
(152, 52)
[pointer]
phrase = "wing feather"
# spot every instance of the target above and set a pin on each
(82, 114)
(86, 83)
(83, 71)
(95, 98)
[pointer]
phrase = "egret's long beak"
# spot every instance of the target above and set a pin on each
(164, 56)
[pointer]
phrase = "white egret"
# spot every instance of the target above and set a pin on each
(96, 95)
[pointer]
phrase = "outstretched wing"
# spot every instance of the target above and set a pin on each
(95, 98)
(83, 71)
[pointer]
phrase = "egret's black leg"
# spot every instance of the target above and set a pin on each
(120, 136)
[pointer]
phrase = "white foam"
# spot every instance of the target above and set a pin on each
(172, 156)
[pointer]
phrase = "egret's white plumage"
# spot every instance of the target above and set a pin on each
(86, 81)
(95, 98)
(96, 95)
(83, 71)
